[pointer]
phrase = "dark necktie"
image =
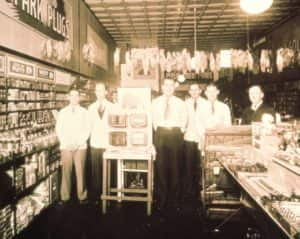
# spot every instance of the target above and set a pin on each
(195, 105)
(212, 107)
(101, 110)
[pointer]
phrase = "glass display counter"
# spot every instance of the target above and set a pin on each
(268, 179)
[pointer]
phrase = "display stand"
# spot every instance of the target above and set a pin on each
(130, 146)
(121, 192)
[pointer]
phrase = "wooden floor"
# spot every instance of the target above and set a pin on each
(129, 220)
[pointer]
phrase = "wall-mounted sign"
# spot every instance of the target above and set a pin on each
(47, 16)
(100, 48)
(20, 68)
(45, 74)
(62, 78)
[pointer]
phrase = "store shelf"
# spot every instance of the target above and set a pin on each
(29, 89)
(27, 191)
(4, 165)
(29, 110)
(29, 101)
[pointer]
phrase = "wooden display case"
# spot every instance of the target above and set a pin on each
(130, 145)
(220, 196)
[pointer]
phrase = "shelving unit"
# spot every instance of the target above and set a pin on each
(29, 152)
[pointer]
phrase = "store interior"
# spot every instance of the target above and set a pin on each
(249, 175)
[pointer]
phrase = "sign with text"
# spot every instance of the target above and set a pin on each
(51, 17)
(20, 68)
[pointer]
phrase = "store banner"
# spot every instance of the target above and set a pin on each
(51, 17)
(100, 54)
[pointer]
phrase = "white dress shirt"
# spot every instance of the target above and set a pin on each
(209, 118)
(216, 115)
(177, 113)
(98, 125)
(72, 127)
(193, 125)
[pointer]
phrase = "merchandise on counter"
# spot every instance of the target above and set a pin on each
(288, 154)
(243, 160)
(288, 214)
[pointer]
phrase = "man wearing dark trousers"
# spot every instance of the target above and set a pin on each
(169, 121)
(98, 117)
(192, 170)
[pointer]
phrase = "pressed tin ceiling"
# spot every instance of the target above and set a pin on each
(169, 24)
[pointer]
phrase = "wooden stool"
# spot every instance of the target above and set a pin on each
(141, 195)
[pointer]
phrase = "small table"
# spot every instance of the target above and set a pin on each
(142, 194)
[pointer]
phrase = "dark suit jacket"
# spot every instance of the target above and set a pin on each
(250, 115)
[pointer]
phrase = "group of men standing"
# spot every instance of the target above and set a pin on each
(74, 126)
(179, 129)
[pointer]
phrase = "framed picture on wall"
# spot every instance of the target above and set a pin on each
(141, 72)
(134, 98)
(2, 64)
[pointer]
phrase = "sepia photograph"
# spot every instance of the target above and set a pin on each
(153, 119)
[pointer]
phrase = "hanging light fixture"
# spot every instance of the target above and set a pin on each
(193, 60)
(255, 6)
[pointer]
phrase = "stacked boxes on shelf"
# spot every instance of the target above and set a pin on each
(29, 154)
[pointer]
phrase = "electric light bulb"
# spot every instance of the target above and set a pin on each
(255, 6)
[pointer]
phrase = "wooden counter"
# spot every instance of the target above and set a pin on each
(253, 192)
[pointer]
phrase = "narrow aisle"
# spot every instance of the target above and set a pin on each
(126, 221)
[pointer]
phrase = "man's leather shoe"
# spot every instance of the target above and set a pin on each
(63, 202)
(83, 202)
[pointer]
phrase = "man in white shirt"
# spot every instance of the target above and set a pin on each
(215, 113)
(169, 122)
(72, 129)
(98, 117)
(191, 140)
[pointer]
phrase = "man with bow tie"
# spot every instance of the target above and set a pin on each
(258, 108)
(98, 117)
